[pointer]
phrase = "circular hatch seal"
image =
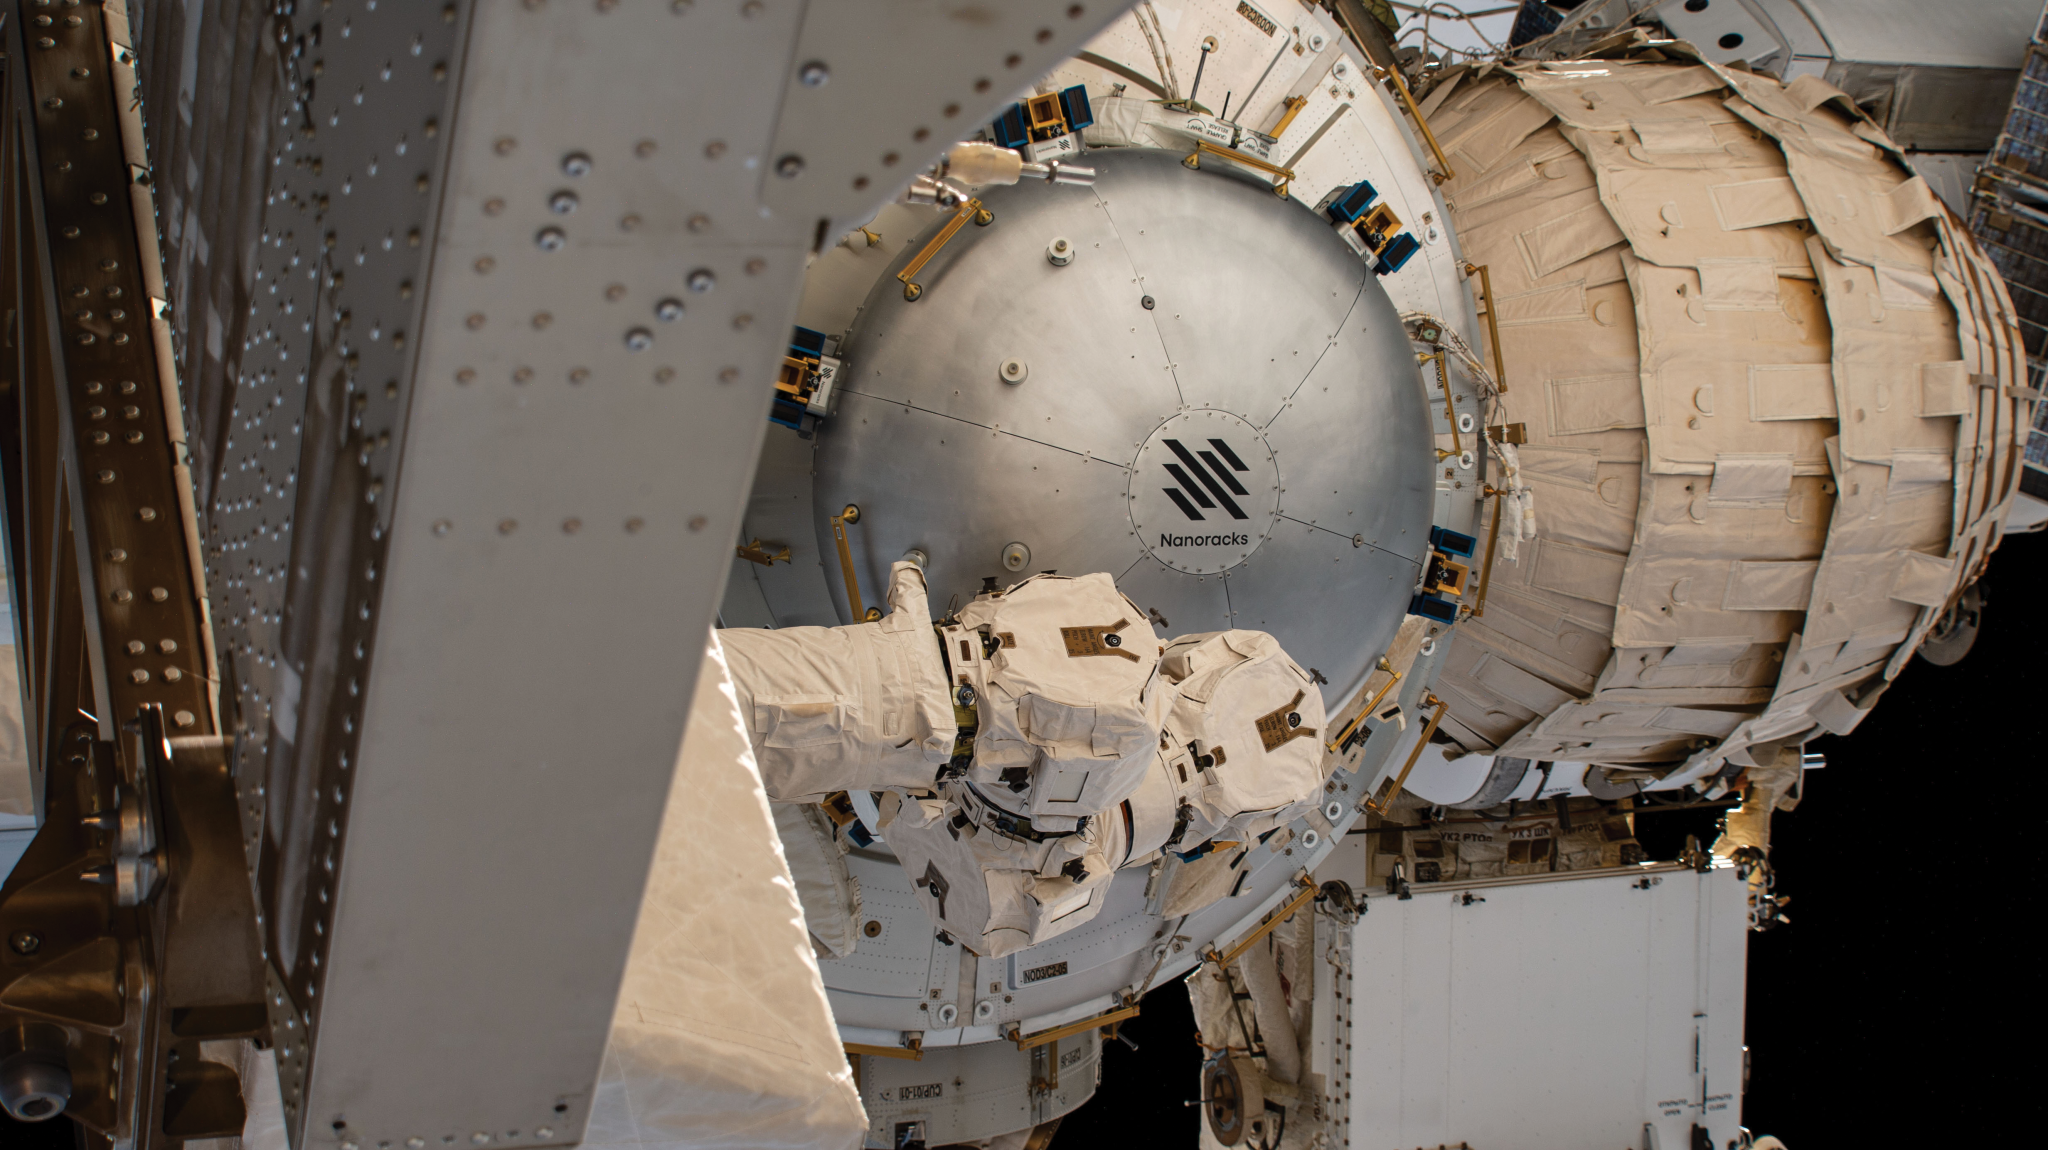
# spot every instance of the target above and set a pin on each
(1205, 491)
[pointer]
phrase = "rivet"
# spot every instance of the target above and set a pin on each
(698, 522)
(106, 477)
(542, 319)
(521, 374)
(544, 1132)
(741, 321)
(159, 594)
(474, 321)
(137, 646)
(629, 222)
(563, 202)
(442, 527)
(504, 145)
(578, 374)
(714, 149)
(698, 223)
(415, 1142)
(139, 675)
(550, 239)
(814, 74)
(493, 206)
(576, 164)
(700, 281)
(668, 310)
(571, 526)
(728, 374)
(644, 149)
(465, 375)
(889, 159)
(615, 292)
(639, 339)
(117, 555)
(634, 525)
(146, 514)
(507, 526)
(480, 1138)
(167, 646)
(789, 167)
(172, 674)
(664, 374)
(952, 110)
(756, 266)
(101, 437)
(1044, 34)
(184, 718)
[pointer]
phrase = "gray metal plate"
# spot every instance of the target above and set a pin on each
(1260, 315)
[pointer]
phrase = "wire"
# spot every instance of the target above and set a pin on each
(1162, 56)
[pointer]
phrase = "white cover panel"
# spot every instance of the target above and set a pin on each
(723, 1036)
(1553, 1014)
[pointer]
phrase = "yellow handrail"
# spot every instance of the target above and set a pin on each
(1500, 369)
(1448, 174)
(1273, 920)
(1416, 754)
(851, 514)
(1027, 1041)
(1284, 175)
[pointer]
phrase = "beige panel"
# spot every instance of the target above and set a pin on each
(1595, 403)
(1878, 354)
(1577, 571)
(1545, 305)
(1518, 686)
(1753, 203)
(1558, 243)
(1608, 95)
(1845, 183)
(1779, 585)
(1922, 579)
(1943, 389)
(1791, 391)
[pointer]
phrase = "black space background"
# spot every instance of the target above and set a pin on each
(1901, 1006)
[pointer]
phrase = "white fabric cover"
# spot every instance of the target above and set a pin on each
(846, 708)
(817, 862)
(1068, 696)
(723, 1036)
(1244, 736)
(996, 893)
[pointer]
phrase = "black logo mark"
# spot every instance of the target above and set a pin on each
(1215, 478)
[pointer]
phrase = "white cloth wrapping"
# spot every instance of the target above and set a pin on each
(1244, 736)
(1069, 698)
(817, 862)
(723, 1036)
(846, 708)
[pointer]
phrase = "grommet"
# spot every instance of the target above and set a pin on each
(1014, 371)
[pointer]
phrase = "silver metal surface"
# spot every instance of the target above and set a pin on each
(1265, 334)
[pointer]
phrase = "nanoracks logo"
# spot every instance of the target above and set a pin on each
(1166, 540)
(1199, 482)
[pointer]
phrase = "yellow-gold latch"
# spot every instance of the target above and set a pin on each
(1285, 176)
(969, 210)
(1286, 910)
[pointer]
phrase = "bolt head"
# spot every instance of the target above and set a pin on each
(639, 339)
(700, 281)
(669, 310)
(789, 167)
(562, 202)
(550, 239)
(25, 942)
(576, 164)
(814, 74)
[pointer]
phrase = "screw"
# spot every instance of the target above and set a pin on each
(562, 203)
(552, 240)
(576, 164)
(668, 310)
(789, 167)
(813, 74)
(700, 281)
(25, 942)
(639, 339)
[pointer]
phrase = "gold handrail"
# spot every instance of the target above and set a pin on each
(1448, 174)
(1284, 175)
(1369, 707)
(851, 514)
(1273, 921)
(970, 210)
(1415, 755)
(1027, 1041)
(1500, 369)
(913, 1052)
(1492, 538)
